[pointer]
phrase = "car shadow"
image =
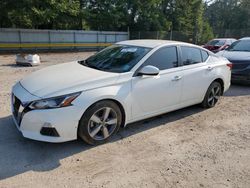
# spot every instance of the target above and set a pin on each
(238, 90)
(15, 65)
(19, 155)
(161, 120)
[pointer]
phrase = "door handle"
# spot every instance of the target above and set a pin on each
(210, 68)
(176, 78)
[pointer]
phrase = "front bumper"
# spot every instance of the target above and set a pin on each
(31, 122)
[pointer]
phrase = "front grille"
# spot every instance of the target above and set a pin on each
(240, 65)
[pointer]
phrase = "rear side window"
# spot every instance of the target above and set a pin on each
(164, 58)
(190, 55)
(204, 55)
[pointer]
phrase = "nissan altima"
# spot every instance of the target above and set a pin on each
(124, 83)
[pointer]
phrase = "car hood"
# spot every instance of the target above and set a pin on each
(66, 78)
(235, 55)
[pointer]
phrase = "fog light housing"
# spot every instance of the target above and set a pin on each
(49, 130)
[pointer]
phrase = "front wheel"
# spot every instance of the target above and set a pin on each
(100, 122)
(212, 96)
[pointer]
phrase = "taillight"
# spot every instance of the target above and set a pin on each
(230, 65)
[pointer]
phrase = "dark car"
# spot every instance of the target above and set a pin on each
(219, 44)
(239, 55)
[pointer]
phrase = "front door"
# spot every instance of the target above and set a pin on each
(153, 95)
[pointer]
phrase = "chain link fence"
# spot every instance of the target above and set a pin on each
(232, 33)
(189, 37)
(164, 35)
(21, 40)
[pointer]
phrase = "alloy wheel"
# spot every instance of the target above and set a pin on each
(214, 95)
(102, 123)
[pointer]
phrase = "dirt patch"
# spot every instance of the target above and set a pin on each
(191, 147)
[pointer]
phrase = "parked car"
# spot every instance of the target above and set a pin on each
(219, 44)
(124, 83)
(239, 55)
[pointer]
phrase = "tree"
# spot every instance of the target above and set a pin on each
(185, 17)
(104, 14)
(147, 16)
(46, 14)
(229, 17)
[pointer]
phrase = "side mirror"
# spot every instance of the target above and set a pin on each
(149, 70)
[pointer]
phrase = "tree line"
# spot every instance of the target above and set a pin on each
(202, 19)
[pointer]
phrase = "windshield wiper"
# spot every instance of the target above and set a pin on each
(94, 67)
(83, 62)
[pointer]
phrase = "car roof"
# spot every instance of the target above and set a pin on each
(148, 43)
(245, 38)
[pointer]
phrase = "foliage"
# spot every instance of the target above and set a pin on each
(194, 19)
(229, 16)
(50, 14)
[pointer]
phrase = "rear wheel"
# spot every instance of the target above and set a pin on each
(212, 96)
(100, 122)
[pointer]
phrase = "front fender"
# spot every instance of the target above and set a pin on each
(119, 93)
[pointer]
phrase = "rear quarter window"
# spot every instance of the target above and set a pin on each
(204, 55)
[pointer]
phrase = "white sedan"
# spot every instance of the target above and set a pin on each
(124, 83)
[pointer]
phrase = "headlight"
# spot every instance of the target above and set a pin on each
(55, 102)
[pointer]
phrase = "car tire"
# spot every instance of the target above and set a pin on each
(100, 122)
(212, 95)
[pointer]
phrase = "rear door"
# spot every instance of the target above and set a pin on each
(197, 74)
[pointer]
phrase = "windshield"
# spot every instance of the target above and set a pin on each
(116, 58)
(216, 42)
(240, 45)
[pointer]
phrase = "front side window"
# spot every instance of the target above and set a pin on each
(164, 58)
(116, 58)
(190, 55)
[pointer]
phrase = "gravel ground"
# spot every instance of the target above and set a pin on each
(191, 147)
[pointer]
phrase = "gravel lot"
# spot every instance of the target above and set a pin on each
(192, 147)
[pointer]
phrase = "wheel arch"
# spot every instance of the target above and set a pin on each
(221, 82)
(118, 103)
(121, 108)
